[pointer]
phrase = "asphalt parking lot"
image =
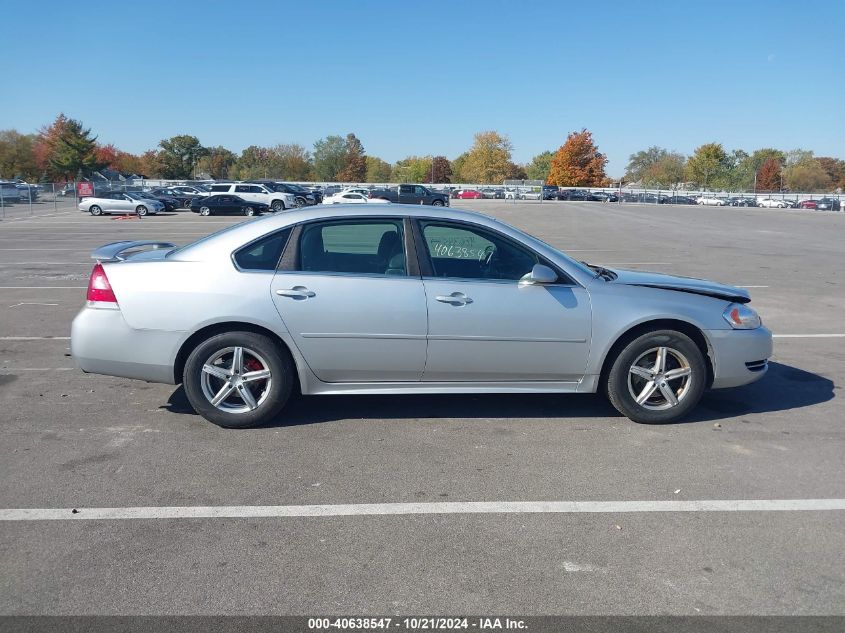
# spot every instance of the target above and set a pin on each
(72, 440)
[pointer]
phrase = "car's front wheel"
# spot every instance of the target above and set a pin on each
(437, 203)
(249, 211)
(657, 378)
(205, 211)
(238, 379)
(277, 205)
(141, 210)
(95, 210)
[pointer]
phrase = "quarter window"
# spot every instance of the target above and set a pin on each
(465, 252)
(219, 188)
(265, 253)
(372, 247)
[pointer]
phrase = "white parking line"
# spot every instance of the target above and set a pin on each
(392, 509)
(34, 338)
(808, 335)
(738, 286)
(10, 369)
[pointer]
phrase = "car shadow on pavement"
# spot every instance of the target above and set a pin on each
(783, 388)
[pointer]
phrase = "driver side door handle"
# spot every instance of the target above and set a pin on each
(297, 292)
(455, 299)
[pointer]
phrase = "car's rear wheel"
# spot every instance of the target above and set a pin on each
(238, 379)
(277, 205)
(141, 210)
(205, 211)
(95, 210)
(249, 211)
(657, 378)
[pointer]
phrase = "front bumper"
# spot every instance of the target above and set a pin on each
(739, 356)
(101, 342)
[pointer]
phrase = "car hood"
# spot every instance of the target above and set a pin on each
(681, 284)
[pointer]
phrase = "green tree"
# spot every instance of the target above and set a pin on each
(217, 161)
(293, 161)
(489, 159)
(354, 161)
(17, 159)
(458, 168)
(538, 168)
(378, 170)
(807, 175)
(179, 155)
(640, 162)
(412, 169)
(74, 151)
(708, 165)
(329, 158)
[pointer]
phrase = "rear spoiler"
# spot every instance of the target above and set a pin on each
(113, 252)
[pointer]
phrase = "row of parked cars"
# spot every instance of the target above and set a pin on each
(241, 198)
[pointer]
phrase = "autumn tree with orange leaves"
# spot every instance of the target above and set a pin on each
(769, 176)
(578, 163)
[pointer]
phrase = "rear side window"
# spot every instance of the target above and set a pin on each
(219, 188)
(263, 254)
(372, 247)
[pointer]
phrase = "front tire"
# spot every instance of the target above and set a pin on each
(205, 211)
(249, 212)
(238, 379)
(437, 203)
(657, 378)
(277, 205)
(141, 210)
(95, 210)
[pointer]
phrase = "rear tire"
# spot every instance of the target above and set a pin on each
(268, 395)
(95, 210)
(634, 376)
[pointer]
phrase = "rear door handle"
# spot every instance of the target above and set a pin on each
(455, 299)
(297, 292)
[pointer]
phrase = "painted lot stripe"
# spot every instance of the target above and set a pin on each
(34, 338)
(11, 369)
(392, 509)
(808, 335)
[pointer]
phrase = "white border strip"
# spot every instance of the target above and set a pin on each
(393, 509)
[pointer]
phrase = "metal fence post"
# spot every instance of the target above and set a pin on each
(55, 202)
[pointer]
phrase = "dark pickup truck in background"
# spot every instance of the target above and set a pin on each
(411, 194)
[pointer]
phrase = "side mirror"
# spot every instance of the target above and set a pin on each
(540, 274)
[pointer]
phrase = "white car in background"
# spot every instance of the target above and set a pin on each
(772, 203)
(352, 197)
(710, 201)
(252, 192)
(362, 190)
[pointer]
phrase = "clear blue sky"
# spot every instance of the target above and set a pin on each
(423, 77)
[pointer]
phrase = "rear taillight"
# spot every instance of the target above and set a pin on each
(99, 288)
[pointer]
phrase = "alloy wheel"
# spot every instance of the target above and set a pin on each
(236, 379)
(659, 378)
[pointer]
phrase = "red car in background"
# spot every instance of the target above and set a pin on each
(469, 194)
(808, 204)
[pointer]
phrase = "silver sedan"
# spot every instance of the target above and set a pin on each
(405, 299)
(120, 202)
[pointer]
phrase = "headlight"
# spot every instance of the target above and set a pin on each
(741, 317)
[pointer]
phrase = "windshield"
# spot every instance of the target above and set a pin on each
(582, 266)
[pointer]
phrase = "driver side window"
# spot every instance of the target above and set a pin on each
(466, 252)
